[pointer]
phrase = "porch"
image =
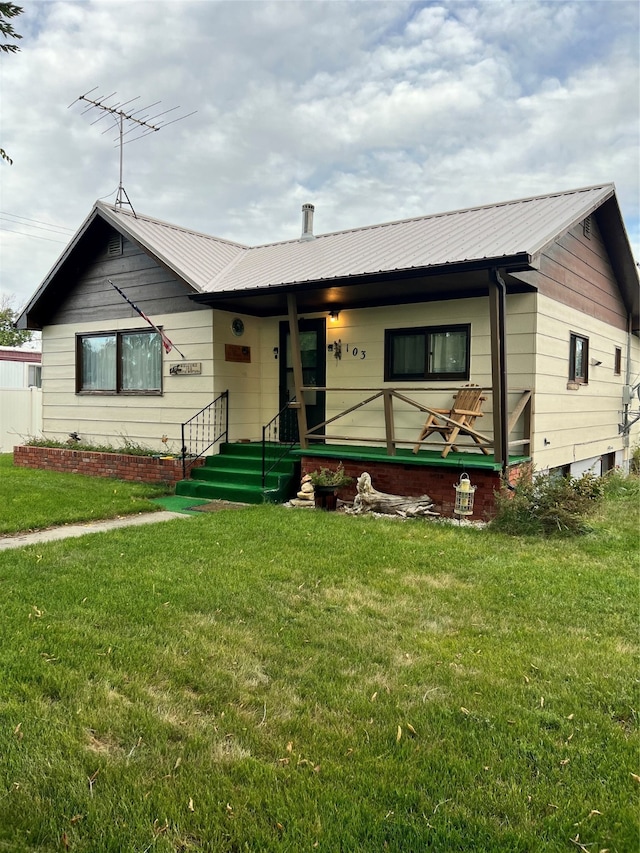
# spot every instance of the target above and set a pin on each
(378, 433)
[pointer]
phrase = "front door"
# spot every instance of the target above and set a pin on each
(314, 370)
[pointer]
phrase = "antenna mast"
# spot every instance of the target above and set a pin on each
(138, 121)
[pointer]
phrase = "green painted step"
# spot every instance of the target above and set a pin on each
(235, 474)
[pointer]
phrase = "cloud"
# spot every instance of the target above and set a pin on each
(371, 110)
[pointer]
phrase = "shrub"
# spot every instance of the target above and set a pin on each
(547, 504)
(616, 484)
(129, 447)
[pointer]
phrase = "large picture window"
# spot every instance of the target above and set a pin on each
(430, 352)
(119, 363)
(579, 359)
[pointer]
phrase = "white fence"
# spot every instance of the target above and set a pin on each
(20, 416)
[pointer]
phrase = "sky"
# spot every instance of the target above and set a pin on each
(371, 111)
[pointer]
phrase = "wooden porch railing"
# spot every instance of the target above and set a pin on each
(521, 409)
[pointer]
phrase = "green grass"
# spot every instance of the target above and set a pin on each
(34, 499)
(281, 680)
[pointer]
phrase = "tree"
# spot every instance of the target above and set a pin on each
(9, 335)
(8, 11)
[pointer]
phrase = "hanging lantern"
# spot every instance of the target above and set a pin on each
(464, 496)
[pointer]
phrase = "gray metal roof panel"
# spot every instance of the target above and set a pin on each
(521, 227)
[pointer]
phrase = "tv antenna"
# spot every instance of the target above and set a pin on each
(136, 121)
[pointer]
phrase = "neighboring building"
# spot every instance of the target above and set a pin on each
(535, 300)
(20, 368)
(20, 396)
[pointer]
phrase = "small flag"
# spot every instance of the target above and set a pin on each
(166, 343)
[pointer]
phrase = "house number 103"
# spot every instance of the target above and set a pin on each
(355, 352)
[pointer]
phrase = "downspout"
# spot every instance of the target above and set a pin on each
(627, 402)
(499, 370)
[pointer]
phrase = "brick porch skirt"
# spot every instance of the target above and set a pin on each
(415, 480)
(121, 466)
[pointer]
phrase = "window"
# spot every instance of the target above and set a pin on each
(119, 363)
(579, 359)
(35, 376)
(435, 352)
(617, 361)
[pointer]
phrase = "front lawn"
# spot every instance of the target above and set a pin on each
(282, 680)
(32, 499)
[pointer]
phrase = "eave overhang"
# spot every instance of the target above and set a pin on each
(387, 287)
(616, 239)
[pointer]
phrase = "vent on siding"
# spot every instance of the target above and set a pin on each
(114, 246)
(586, 227)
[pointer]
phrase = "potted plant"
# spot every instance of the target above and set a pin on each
(326, 482)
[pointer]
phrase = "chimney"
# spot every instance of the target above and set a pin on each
(307, 222)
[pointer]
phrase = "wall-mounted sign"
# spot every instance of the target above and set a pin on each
(235, 352)
(186, 368)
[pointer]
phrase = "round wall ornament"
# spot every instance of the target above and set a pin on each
(237, 327)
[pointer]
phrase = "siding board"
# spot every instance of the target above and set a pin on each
(577, 272)
(150, 286)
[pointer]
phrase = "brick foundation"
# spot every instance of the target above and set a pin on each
(120, 466)
(416, 480)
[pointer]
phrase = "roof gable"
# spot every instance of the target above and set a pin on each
(192, 256)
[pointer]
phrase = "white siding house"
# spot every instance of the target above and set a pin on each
(539, 298)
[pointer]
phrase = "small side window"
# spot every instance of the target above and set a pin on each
(579, 359)
(617, 362)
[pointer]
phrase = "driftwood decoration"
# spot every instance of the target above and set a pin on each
(370, 500)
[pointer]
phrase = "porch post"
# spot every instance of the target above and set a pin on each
(497, 313)
(388, 422)
(296, 359)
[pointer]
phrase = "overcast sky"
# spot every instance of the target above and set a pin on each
(372, 111)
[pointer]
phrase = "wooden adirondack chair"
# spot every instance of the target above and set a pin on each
(458, 420)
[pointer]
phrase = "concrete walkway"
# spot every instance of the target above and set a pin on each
(74, 530)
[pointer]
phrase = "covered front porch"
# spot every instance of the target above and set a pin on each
(376, 425)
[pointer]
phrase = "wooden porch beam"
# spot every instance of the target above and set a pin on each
(521, 405)
(296, 358)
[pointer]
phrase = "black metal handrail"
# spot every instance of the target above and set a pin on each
(272, 437)
(204, 430)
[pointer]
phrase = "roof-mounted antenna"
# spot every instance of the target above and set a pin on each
(134, 119)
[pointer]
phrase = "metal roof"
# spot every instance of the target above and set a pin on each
(492, 232)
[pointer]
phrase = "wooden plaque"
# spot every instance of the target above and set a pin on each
(236, 352)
